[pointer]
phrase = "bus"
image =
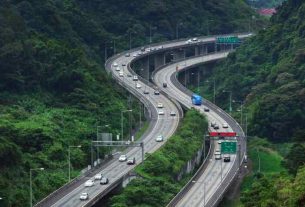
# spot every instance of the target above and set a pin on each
(196, 99)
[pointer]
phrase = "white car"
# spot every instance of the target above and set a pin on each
(159, 138)
(134, 55)
(225, 125)
(89, 183)
(117, 68)
(131, 161)
(121, 74)
(195, 39)
(217, 156)
(172, 113)
(161, 112)
(98, 176)
(84, 196)
(135, 78)
(115, 64)
(127, 55)
(188, 41)
(138, 85)
(122, 158)
(160, 105)
(219, 142)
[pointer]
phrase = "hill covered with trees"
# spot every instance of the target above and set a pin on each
(53, 87)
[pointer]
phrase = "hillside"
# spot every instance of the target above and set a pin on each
(54, 91)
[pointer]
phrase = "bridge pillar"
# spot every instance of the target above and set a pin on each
(144, 70)
(197, 50)
(178, 54)
(159, 60)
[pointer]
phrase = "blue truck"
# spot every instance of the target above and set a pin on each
(196, 99)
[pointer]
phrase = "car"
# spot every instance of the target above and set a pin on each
(127, 55)
(160, 105)
(213, 123)
(135, 78)
(115, 64)
(188, 41)
(172, 113)
(129, 75)
(104, 181)
(84, 196)
(156, 92)
(121, 74)
(117, 68)
(138, 85)
(142, 49)
(89, 183)
(226, 158)
(225, 125)
(98, 176)
(161, 112)
(146, 92)
(123, 64)
(134, 55)
(131, 161)
(219, 142)
(164, 85)
(217, 155)
(195, 39)
(206, 109)
(216, 126)
(159, 138)
(127, 142)
(122, 158)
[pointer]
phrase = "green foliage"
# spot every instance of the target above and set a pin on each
(157, 182)
(295, 158)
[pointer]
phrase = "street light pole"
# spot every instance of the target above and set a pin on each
(122, 127)
(230, 109)
(214, 89)
(114, 50)
(241, 111)
(31, 188)
(69, 159)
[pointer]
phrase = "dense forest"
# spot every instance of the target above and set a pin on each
(53, 89)
(264, 3)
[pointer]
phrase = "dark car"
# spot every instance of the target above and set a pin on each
(164, 85)
(104, 181)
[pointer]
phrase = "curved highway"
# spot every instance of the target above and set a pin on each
(160, 125)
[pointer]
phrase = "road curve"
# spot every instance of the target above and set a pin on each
(160, 124)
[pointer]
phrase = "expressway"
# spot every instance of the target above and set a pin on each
(217, 171)
(164, 125)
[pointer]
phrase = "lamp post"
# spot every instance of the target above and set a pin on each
(69, 159)
(241, 111)
(114, 50)
(214, 89)
(197, 82)
(177, 29)
(97, 139)
(122, 128)
(195, 181)
(31, 188)
(230, 109)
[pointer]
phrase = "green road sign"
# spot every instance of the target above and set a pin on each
(228, 40)
(228, 147)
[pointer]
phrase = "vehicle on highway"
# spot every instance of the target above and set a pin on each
(213, 123)
(138, 85)
(89, 183)
(188, 41)
(206, 109)
(129, 75)
(123, 64)
(156, 92)
(160, 105)
(146, 92)
(117, 68)
(196, 99)
(172, 113)
(122, 158)
(98, 176)
(134, 55)
(159, 138)
(121, 74)
(127, 55)
(219, 142)
(225, 125)
(131, 161)
(164, 85)
(216, 126)
(115, 64)
(142, 49)
(195, 39)
(135, 78)
(226, 158)
(217, 155)
(161, 112)
(84, 196)
(104, 181)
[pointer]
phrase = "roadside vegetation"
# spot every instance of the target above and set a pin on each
(157, 181)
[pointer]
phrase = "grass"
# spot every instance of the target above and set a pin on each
(141, 131)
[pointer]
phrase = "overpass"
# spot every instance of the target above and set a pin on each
(144, 64)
